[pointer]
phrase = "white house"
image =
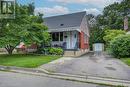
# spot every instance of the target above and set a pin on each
(69, 31)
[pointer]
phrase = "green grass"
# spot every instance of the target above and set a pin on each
(126, 60)
(27, 61)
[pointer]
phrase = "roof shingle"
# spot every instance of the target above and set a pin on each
(64, 21)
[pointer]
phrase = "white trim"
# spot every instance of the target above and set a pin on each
(65, 29)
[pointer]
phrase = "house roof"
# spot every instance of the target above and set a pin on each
(61, 22)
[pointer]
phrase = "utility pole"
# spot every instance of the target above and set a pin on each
(126, 26)
(126, 19)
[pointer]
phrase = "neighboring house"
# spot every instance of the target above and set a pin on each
(69, 31)
(92, 22)
(21, 48)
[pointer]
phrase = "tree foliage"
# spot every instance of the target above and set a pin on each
(113, 15)
(111, 34)
(24, 28)
(96, 35)
(120, 46)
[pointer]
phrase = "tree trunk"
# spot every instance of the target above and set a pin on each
(9, 49)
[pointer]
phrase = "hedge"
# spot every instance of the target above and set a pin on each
(120, 46)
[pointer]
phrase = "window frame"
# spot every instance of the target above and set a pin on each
(57, 36)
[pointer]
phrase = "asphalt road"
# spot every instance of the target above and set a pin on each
(9, 79)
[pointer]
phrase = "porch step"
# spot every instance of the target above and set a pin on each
(69, 53)
(75, 53)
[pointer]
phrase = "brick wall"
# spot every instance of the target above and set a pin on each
(84, 41)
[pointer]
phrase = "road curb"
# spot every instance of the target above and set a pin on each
(86, 79)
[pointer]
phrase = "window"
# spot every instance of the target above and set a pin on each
(57, 36)
(61, 36)
(75, 35)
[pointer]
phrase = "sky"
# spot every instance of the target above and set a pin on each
(59, 7)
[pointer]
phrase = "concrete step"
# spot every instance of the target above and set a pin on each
(69, 53)
(75, 53)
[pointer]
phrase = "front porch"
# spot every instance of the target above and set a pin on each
(74, 43)
(68, 40)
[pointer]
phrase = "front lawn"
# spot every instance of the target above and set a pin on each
(126, 60)
(27, 61)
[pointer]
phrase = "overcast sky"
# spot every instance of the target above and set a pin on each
(57, 7)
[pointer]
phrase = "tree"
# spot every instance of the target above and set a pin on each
(96, 35)
(25, 28)
(10, 39)
(31, 8)
(113, 15)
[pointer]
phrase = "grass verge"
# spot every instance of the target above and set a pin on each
(126, 61)
(27, 61)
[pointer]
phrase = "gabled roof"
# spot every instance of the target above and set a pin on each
(64, 21)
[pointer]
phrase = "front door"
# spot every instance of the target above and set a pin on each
(71, 39)
(68, 40)
(74, 39)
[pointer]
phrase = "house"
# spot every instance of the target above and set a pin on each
(22, 48)
(69, 31)
(92, 22)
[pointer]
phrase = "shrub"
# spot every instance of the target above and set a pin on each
(42, 51)
(56, 51)
(120, 46)
(111, 34)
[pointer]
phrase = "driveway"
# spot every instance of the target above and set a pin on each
(95, 64)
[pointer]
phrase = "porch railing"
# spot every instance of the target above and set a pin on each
(64, 45)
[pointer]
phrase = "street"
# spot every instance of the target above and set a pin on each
(9, 79)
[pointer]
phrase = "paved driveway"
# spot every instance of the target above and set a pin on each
(98, 64)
